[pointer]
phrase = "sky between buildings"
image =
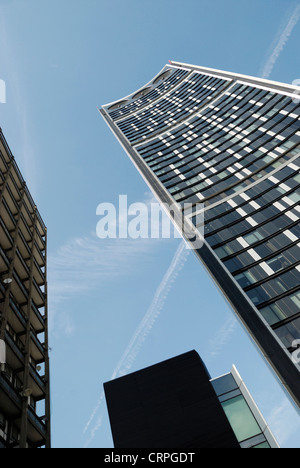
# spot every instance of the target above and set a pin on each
(119, 305)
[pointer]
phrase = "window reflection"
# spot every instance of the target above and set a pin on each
(241, 418)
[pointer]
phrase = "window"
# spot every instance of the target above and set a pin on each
(262, 445)
(224, 384)
(241, 419)
(253, 237)
(277, 263)
(245, 279)
(288, 333)
(272, 314)
(281, 309)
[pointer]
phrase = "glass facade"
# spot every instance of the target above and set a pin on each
(231, 143)
(248, 425)
(241, 419)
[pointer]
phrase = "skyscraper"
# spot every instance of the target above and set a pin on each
(175, 403)
(24, 360)
(229, 145)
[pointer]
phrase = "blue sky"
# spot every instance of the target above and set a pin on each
(119, 305)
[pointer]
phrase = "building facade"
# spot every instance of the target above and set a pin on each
(176, 404)
(228, 144)
(247, 422)
(24, 359)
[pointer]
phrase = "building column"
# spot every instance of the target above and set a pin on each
(47, 364)
(25, 396)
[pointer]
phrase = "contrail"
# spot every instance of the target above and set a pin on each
(180, 256)
(223, 335)
(144, 327)
(279, 45)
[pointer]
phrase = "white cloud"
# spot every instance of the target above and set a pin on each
(222, 335)
(82, 263)
(153, 312)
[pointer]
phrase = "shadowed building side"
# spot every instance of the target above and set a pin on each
(171, 404)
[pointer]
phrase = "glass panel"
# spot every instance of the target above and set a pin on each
(272, 314)
(241, 419)
(229, 395)
(254, 442)
(276, 263)
(263, 445)
(245, 279)
(224, 384)
(288, 333)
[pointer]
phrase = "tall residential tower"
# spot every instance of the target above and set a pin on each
(24, 362)
(229, 145)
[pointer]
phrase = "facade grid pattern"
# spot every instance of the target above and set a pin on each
(230, 146)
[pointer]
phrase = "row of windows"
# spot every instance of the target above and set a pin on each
(206, 123)
(281, 309)
(261, 251)
(155, 93)
(255, 207)
(248, 167)
(255, 177)
(163, 109)
(289, 333)
(242, 230)
(176, 105)
(256, 197)
(191, 161)
(264, 269)
(263, 215)
(163, 151)
(225, 169)
(210, 143)
(275, 287)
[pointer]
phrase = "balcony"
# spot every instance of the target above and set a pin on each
(5, 236)
(11, 406)
(10, 399)
(16, 362)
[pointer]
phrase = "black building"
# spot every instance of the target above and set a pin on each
(171, 404)
(176, 404)
(228, 144)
